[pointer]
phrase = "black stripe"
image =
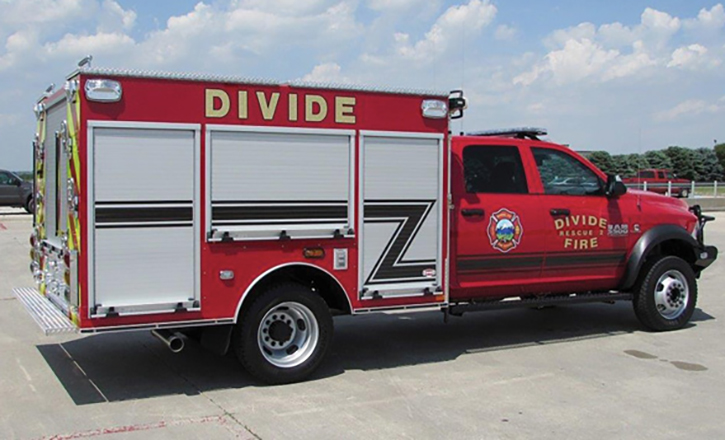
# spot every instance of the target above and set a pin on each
(132, 215)
(399, 201)
(498, 263)
(409, 218)
(279, 202)
(579, 260)
(146, 202)
(290, 222)
(278, 212)
(470, 263)
(144, 225)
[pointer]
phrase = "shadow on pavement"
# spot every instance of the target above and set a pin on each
(127, 366)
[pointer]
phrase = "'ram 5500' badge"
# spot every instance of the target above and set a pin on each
(505, 230)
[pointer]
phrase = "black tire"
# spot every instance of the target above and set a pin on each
(684, 193)
(30, 205)
(659, 300)
(287, 304)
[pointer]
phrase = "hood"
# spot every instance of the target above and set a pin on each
(659, 199)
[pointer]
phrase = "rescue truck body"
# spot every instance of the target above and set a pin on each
(254, 211)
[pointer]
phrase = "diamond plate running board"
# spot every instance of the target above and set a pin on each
(51, 320)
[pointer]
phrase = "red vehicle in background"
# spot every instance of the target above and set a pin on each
(660, 181)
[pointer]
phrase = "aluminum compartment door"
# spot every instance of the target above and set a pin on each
(402, 190)
(145, 219)
(270, 182)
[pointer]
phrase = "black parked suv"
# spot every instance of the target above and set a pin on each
(14, 191)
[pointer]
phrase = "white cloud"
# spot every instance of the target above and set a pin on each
(396, 5)
(614, 51)
(692, 57)
(504, 32)
(456, 21)
(326, 73)
(709, 19)
(691, 107)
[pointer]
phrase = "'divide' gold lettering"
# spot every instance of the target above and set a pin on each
(268, 108)
(292, 107)
(310, 114)
(242, 105)
(344, 107)
(214, 97)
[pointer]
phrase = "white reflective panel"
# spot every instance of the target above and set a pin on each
(434, 109)
(103, 90)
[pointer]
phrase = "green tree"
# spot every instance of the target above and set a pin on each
(636, 162)
(658, 159)
(620, 164)
(603, 161)
(685, 162)
(720, 152)
(708, 167)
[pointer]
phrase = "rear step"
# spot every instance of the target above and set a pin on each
(51, 320)
(553, 300)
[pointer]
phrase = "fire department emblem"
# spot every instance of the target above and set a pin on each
(505, 230)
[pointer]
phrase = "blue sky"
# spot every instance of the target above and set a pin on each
(622, 76)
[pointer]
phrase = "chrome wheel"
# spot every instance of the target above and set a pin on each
(288, 334)
(671, 294)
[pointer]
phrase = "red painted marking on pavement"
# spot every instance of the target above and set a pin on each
(2, 227)
(135, 428)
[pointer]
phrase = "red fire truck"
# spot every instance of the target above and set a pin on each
(251, 212)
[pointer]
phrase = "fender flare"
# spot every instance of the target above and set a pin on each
(647, 242)
(270, 271)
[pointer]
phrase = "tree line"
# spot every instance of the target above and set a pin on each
(701, 164)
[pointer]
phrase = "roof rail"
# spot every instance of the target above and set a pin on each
(518, 133)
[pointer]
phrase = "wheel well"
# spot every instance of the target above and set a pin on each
(311, 277)
(674, 247)
(677, 248)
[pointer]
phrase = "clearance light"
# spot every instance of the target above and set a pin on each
(314, 253)
(434, 109)
(103, 90)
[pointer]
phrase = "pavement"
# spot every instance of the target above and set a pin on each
(574, 372)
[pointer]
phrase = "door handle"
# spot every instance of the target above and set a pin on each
(558, 212)
(471, 212)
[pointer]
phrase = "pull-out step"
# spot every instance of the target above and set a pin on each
(549, 300)
(51, 320)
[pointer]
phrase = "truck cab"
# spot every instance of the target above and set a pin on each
(532, 218)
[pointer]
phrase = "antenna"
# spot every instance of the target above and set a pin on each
(85, 62)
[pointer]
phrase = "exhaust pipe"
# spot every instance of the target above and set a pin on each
(173, 340)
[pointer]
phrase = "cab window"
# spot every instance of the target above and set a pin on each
(494, 170)
(562, 174)
(647, 174)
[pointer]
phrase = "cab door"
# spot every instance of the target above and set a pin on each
(587, 231)
(498, 235)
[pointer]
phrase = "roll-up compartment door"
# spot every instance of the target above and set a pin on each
(402, 205)
(143, 205)
(272, 183)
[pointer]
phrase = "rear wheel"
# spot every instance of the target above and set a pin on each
(666, 298)
(284, 334)
(684, 193)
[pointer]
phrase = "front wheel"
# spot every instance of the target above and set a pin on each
(684, 193)
(284, 334)
(666, 298)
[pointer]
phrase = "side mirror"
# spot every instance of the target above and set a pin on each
(615, 187)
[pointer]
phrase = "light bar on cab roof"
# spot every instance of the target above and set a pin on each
(518, 132)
